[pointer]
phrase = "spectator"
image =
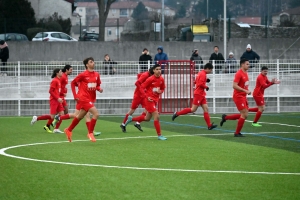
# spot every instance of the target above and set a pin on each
(108, 65)
(231, 64)
(218, 58)
(161, 56)
(250, 55)
(197, 59)
(143, 61)
(4, 55)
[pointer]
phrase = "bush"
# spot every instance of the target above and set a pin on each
(53, 26)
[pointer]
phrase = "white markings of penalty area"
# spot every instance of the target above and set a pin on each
(2, 152)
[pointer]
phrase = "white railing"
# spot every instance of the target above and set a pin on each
(24, 91)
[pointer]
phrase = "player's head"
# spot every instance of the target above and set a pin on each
(67, 69)
(56, 73)
(151, 69)
(264, 70)
(89, 63)
(156, 70)
(216, 49)
(208, 67)
(106, 57)
(244, 64)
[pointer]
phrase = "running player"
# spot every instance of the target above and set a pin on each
(199, 97)
(154, 86)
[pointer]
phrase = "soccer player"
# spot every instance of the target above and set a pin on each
(154, 86)
(240, 91)
(67, 70)
(88, 82)
(55, 101)
(199, 96)
(138, 99)
(262, 83)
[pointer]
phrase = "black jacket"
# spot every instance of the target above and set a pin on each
(252, 56)
(217, 57)
(4, 54)
(108, 67)
(196, 58)
(144, 59)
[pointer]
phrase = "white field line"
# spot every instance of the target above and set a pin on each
(2, 152)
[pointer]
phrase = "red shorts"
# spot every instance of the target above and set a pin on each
(241, 103)
(150, 106)
(260, 101)
(136, 102)
(64, 103)
(199, 100)
(55, 107)
(84, 105)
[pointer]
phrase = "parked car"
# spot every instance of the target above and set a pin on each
(89, 36)
(13, 37)
(53, 36)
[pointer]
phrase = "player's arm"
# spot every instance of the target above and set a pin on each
(139, 82)
(53, 87)
(63, 90)
(98, 88)
(237, 87)
(201, 82)
(162, 87)
(265, 84)
(146, 84)
(74, 84)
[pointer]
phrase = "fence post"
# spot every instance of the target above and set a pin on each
(149, 65)
(19, 89)
(214, 88)
(278, 89)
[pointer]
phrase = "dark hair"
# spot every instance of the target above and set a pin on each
(153, 67)
(151, 70)
(55, 72)
(67, 67)
(145, 49)
(216, 46)
(264, 68)
(85, 61)
(106, 55)
(243, 60)
(2, 42)
(208, 66)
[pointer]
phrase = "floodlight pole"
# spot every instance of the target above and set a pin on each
(162, 21)
(225, 36)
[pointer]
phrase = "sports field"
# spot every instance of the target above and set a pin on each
(194, 163)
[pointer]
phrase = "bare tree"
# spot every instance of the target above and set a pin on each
(103, 9)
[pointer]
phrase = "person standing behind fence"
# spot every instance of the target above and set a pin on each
(250, 55)
(161, 56)
(197, 59)
(143, 60)
(218, 58)
(4, 55)
(108, 65)
(231, 64)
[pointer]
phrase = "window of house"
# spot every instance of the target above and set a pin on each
(123, 12)
(108, 32)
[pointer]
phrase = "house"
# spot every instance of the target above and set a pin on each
(292, 14)
(45, 9)
(87, 11)
(113, 28)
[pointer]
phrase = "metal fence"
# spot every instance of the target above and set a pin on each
(24, 86)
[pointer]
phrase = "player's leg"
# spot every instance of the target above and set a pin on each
(261, 107)
(129, 113)
(93, 110)
(58, 119)
(195, 105)
(88, 122)
(206, 116)
(232, 116)
(138, 123)
(157, 125)
(242, 106)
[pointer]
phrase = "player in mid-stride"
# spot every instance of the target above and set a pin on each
(199, 96)
(240, 91)
(154, 86)
(262, 83)
(88, 82)
(55, 101)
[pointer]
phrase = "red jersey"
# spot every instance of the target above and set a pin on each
(87, 82)
(242, 79)
(200, 83)
(142, 77)
(151, 84)
(55, 88)
(64, 82)
(262, 83)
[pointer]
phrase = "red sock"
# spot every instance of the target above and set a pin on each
(240, 125)
(125, 118)
(253, 109)
(143, 114)
(44, 117)
(87, 125)
(184, 111)
(257, 116)
(139, 119)
(92, 125)
(49, 122)
(58, 124)
(63, 117)
(233, 117)
(157, 127)
(207, 119)
(73, 124)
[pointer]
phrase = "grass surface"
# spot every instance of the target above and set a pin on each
(194, 163)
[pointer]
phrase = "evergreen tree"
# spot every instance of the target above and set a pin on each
(294, 3)
(181, 12)
(140, 12)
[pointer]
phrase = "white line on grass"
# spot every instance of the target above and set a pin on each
(2, 152)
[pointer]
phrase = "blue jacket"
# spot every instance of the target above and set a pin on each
(251, 56)
(161, 56)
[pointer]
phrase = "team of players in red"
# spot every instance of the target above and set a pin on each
(149, 86)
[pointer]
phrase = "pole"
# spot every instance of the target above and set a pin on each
(118, 33)
(163, 21)
(268, 24)
(225, 36)
(206, 9)
(79, 26)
